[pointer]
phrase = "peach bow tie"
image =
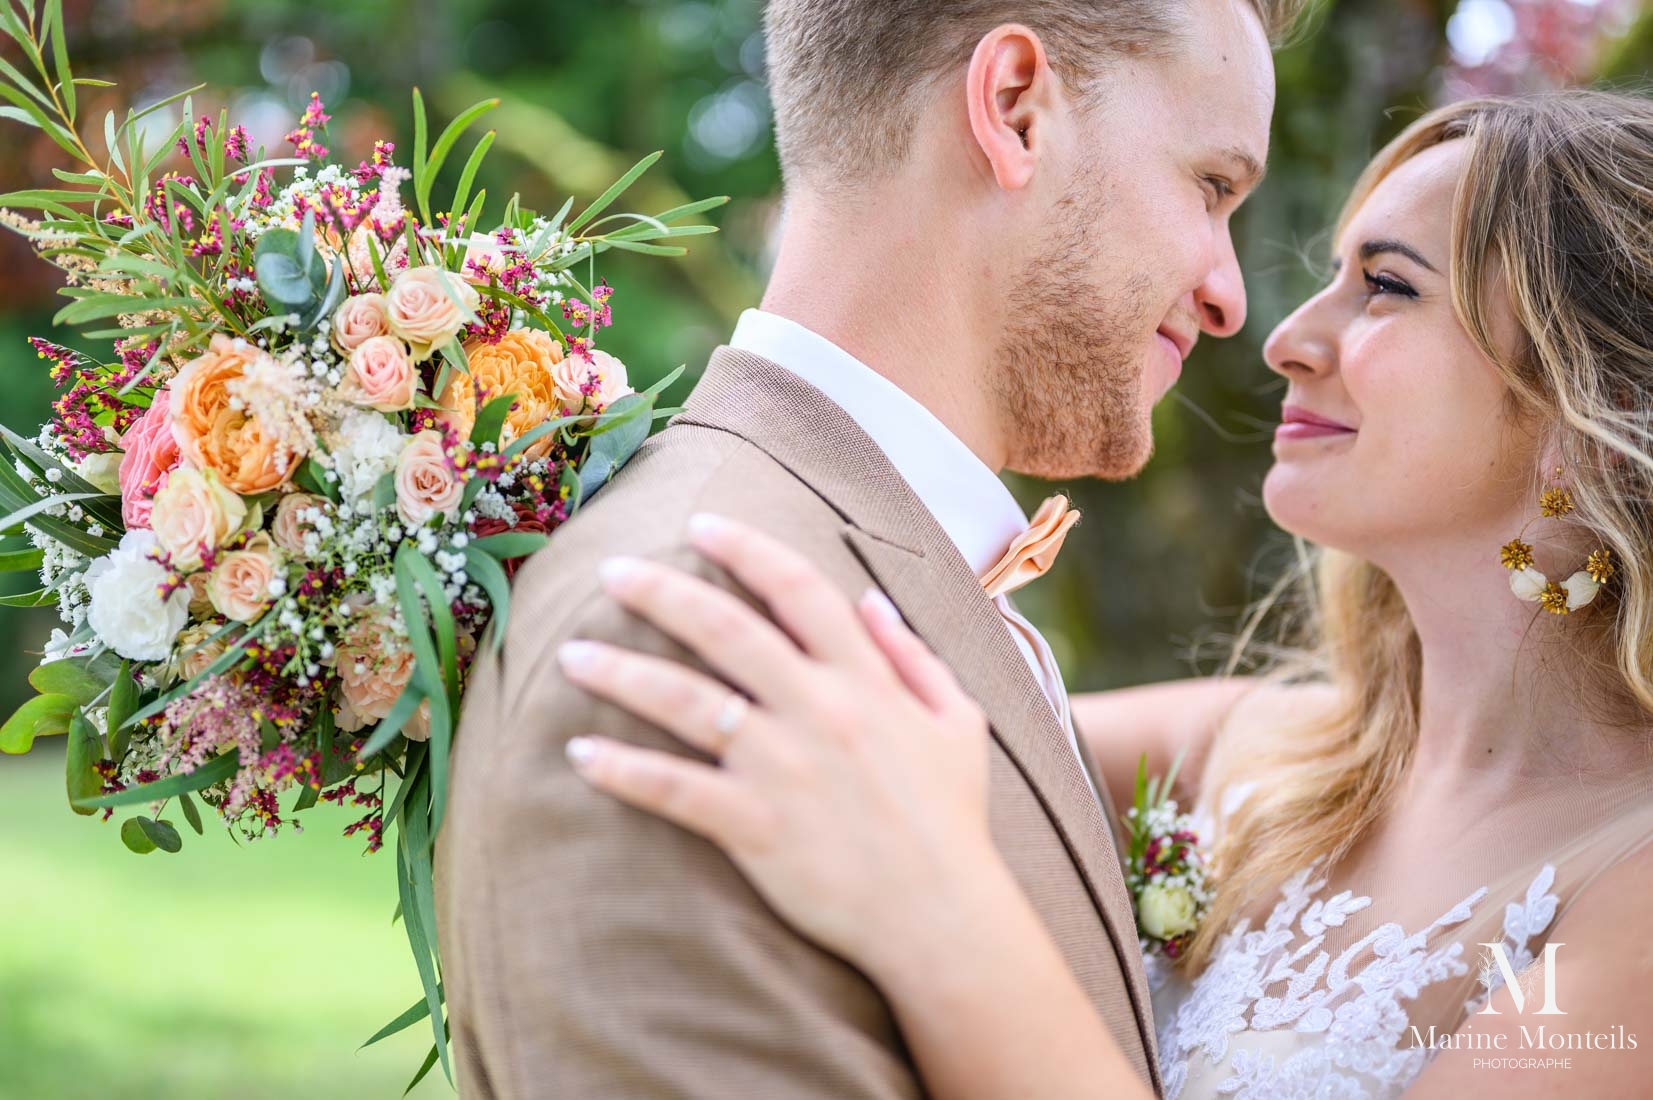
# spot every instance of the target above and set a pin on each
(1034, 550)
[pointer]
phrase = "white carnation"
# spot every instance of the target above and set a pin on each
(127, 610)
(366, 449)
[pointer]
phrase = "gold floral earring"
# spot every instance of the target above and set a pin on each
(1556, 597)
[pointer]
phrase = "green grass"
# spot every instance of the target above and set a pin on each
(248, 971)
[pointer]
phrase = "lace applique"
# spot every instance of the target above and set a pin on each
(1278, 978)
(1522, 922)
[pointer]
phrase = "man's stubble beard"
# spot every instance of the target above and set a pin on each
(1065, 372)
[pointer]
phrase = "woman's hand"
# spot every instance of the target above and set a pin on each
(854, 770)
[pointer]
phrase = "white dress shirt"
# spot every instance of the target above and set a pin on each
(967, 499)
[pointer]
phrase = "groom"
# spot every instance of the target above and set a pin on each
(1006, 225)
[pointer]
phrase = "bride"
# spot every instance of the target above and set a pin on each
(1450, 782)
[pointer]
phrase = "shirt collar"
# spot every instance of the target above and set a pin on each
(967, 499)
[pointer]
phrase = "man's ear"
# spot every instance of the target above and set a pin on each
(1007, 92)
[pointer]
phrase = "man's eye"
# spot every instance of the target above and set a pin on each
(1220, 188)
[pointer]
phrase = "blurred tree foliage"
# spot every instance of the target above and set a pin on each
(589, 87)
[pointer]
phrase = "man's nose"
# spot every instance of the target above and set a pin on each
(1220, 299)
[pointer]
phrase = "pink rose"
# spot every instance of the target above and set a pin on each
(611, 379)
(568, 379)
(589, 382)
(291, 523)
(357, 320)
(489, 260)
(151, 455)
(427, 307)
(425, 482)
(380, 376)
(240, 582)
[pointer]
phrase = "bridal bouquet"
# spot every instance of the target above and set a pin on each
(309, 435)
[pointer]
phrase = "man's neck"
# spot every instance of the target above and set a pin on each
(885, 298)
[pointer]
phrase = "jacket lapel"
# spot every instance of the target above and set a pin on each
(917, 565)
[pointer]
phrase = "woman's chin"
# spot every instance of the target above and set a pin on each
(1300, 503)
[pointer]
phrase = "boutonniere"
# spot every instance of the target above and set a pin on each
(1165, 867)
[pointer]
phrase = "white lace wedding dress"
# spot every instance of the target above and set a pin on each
(1319, 997)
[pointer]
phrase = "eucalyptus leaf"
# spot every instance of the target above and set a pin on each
(134, 837)
(161, 833)
(283, 281)
(191, 814)
(18, 734)
(66, 677)
(610, 450)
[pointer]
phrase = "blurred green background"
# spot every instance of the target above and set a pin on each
(256, 973)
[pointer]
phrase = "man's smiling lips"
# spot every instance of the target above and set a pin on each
(1297, 422)
(1182, 342)
(1176, 344)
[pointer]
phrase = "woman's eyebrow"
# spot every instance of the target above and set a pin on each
(1378, 247)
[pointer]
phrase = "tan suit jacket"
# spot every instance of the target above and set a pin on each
(594, 952)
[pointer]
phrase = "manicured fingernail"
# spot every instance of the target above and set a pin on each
(708, 530)
(879, 602)
(581, 752)
(617, 573)
(577, 656)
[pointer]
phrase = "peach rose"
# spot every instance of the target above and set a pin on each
(194, 513)
(425, 482)
(358, 319)
(373, 666)
(151, 454)
(248, 460)
(456, 405)
(380, 376)
(212, 433)
(418, 726)
(200, 604)
(523, 364)
(239, 585)
(288, 528)
(424, 314)
(189, 665)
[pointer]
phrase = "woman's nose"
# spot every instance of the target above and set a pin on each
(1302, 344)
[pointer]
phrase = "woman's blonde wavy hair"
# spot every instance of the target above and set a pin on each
(1555, 209)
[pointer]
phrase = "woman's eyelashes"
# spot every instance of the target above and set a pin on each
(1377, 285)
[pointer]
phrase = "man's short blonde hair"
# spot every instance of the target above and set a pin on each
(845, 76)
